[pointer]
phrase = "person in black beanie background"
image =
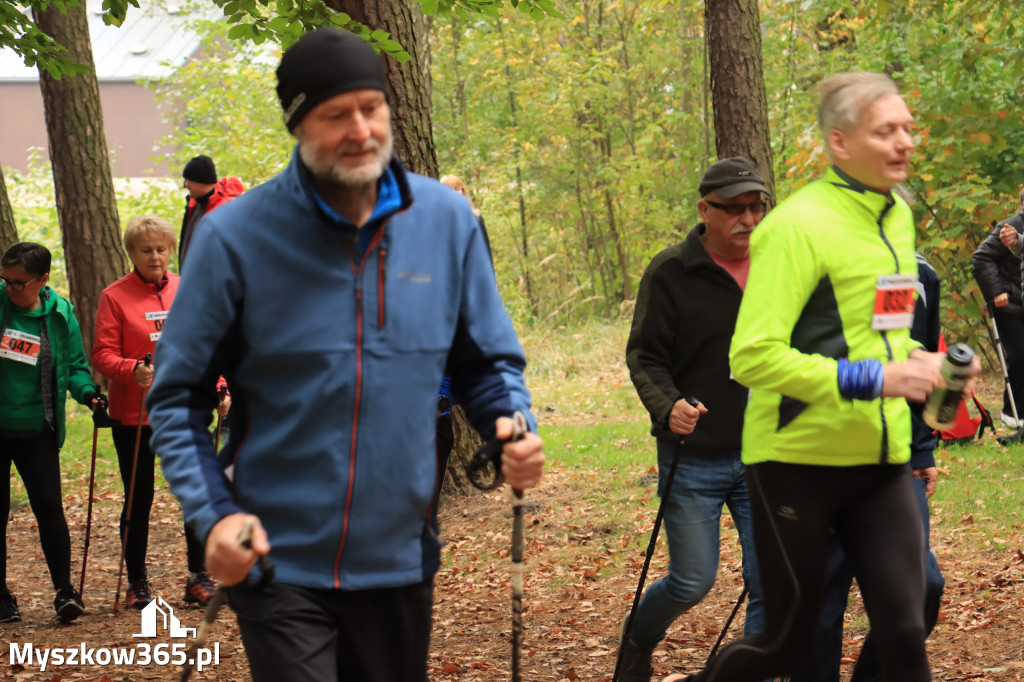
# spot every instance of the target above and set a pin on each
(205, 193)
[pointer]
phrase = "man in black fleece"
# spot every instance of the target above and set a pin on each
(679, 348)
(997, 268)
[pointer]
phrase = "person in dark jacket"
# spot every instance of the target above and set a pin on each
(839, 576)
(205, 193)
(333, 298)
(42, 359)
(997, 269)
(678, 348)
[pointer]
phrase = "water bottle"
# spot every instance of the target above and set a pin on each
(940, 409)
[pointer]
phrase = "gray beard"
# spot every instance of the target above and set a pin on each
(330, 172)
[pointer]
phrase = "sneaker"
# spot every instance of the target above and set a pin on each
(200, 590)
(138, 595)
(636, 663)
(1009, 422)
(68, 604)
(9, 612)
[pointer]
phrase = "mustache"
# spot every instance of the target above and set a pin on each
(371, 145)
(742, 229)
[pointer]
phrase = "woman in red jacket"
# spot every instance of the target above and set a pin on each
(130, 319)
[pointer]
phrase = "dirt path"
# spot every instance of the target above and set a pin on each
(583, 559)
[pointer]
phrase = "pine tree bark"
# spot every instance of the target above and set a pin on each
(8, 228)
(409, 86)
(409, 93)
(83, 185)
(733, 29)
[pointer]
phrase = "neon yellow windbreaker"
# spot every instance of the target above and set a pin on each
(815, 263)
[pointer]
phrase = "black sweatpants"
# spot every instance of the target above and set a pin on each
(302, 634)
(37, 460)
(874, 512)
(142, 503)
(1011, 338)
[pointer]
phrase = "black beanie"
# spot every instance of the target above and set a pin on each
(324, 63)
(200, 169)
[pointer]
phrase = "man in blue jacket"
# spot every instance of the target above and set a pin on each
(333, 298)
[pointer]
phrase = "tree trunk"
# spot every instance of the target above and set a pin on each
(84, 189)
(409, 85)
(409, 92)
(738, 94)
(8, 228)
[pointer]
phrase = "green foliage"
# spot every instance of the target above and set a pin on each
(19, 32)
(223, 104)
(284, 21)
(958, 65)
(35, 214)
(589, 123)
(536, 9)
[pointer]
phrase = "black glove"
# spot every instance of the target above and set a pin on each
(100, 418)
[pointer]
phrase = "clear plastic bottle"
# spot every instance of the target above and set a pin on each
(941, 406)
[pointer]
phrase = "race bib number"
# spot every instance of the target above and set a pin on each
(20, 347)
(894, 302)
(155, 321)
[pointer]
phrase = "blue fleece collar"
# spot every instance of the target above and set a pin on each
(389, 199)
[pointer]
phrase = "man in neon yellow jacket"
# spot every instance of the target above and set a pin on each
(823, 341)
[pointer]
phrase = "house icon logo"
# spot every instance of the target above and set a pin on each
(170, 621)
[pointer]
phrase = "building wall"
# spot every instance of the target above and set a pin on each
(131, 122)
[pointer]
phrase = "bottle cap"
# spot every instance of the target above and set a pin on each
(960, 354)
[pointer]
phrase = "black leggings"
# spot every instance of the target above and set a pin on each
(874, 512)
(1011, 337)
(142, 503)
(38, 463)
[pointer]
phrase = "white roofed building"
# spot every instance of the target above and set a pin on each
(150, 43)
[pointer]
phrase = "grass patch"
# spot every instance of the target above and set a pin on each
(979, 496)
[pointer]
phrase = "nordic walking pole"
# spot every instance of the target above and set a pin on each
(220, 420)
(220, 596)
(1005, 368)
(650, 547)
(518, 431)
(484, 472)
(728, 622)
(148, 360)
(99, 415)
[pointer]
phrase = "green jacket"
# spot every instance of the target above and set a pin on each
(809, 300)
(70, 368)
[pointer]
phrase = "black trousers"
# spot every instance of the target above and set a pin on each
(302, 634)
(874, 512)
(142, 503)
(1011, 337)
(827, 658)
(36, 458)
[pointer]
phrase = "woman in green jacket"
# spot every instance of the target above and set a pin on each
(41, 360)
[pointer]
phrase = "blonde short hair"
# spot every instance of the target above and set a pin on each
(456, 183)
(144, 226)
(845, 97)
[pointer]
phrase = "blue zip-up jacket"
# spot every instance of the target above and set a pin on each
(333, 350)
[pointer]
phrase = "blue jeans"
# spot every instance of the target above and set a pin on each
(839, 577)
(693, 513)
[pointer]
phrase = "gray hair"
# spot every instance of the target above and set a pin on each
(845, 97)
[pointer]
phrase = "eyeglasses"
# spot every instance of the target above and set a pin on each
(17, 287)
(757, 208)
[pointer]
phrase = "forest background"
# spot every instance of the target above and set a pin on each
(582, 132)
(582, 129)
